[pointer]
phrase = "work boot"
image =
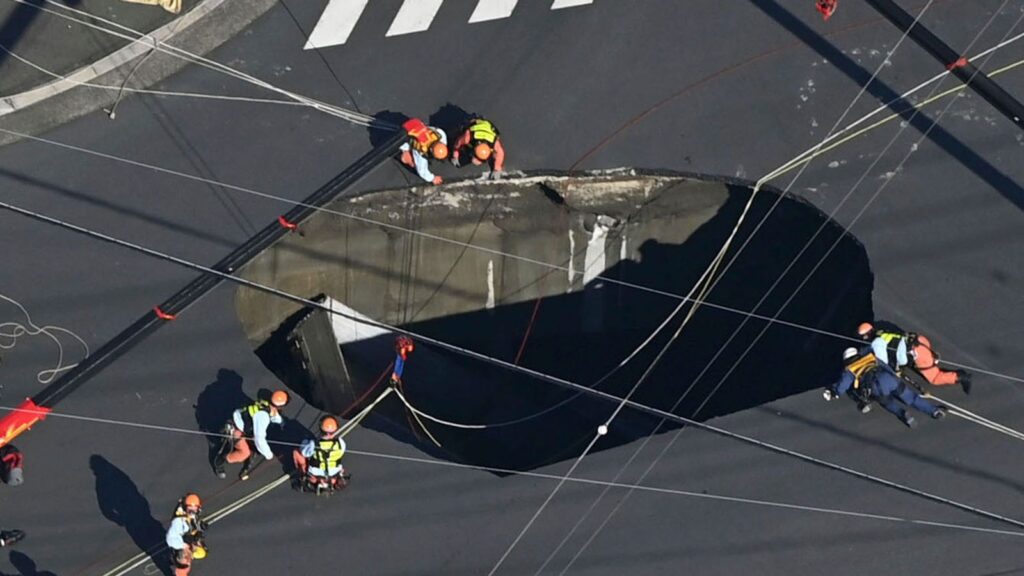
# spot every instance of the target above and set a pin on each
(244, 473)
(8, 537)
(963, 378)
(218, 465)
(939, 413)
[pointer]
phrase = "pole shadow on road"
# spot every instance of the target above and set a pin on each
(121, 502)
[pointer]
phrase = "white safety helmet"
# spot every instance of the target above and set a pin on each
(849, 353)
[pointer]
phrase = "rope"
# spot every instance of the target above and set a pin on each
(526, 371)
(483, 249)
(976, 418)
(218, 515)
(436, 420)
(12, 331)
(137, 36)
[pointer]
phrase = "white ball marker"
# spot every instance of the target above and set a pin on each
(602, 430)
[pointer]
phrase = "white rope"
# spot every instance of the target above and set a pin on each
(10, 332)
(197, 95)
(160, 46)
(436, 420)
(771, 289)
(975, 418)
(483, 249)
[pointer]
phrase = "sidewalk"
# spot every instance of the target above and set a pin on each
(61, 45)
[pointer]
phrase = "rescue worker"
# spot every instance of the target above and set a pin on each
(185, 536)
(481, 138)
(867, 379)
(897, 347)
(425, 142)
(319, 460)
(403, 347)
(9, 537)
(250, 421)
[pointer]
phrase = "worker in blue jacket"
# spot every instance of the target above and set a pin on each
(867, 379)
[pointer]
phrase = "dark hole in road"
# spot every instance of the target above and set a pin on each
(582, 334)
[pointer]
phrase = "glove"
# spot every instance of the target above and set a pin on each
(438, 180)
(496, 174)
(455, 160)
(828, 395)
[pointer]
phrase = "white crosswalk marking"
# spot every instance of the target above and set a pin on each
(559, 4)
(340, 17)
(492, 10)
(336, 23)
(414, 16)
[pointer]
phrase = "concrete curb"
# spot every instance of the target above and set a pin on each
(202, 29)
(125, 55)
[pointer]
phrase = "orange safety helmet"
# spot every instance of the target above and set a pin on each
(865, 329)
(279, 399)
(439, 150)
(192, 501)
(329, 425)
(482, 151)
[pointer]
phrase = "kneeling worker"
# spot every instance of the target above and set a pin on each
(867, 379)
(319, 461)
(481, 137)
(425, 142)
(252, 420)
(185, 536)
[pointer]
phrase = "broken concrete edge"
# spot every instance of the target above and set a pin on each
(202, 29)
(477, 187)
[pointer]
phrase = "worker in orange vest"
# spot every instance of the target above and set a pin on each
(425, 143)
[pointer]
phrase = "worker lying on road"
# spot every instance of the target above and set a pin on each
(185, 536)
(319, 460)
(866, 379)
(896, 347)
(424, 141)
(481, 138)
(250, 421)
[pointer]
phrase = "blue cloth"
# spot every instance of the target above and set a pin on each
(881, 350)
(888, 390)
(399, 367)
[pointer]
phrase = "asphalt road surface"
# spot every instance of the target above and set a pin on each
(697, 85)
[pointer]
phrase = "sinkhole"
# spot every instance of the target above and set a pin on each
(566, 275)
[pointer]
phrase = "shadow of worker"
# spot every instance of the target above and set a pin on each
(26, 566)
(215, 405)
(121, 502)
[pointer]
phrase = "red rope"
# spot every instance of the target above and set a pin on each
(163, 315)
(529, 328)
(344, 413)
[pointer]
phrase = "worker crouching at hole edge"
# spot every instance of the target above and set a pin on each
(186, 535)
(425, 143)
(319, 460)
(250, 421)
(481, 139)
(867, 380)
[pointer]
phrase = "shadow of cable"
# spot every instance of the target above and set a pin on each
(970, 159)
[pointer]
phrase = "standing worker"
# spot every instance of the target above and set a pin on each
(867, 379)
(253, 420)
(424, 141)
(481, 138)
(185, 536)
(319, 461)
(897, 347)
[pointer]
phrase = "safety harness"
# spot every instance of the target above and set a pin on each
(421, 137)
(861, 368)
(327, 454)
(483, 132)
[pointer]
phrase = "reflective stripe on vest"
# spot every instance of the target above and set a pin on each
(327, 454)
(421, 137)
(251, 411)
(861, 366)
(483, 131)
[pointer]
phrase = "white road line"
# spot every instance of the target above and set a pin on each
(414, 16)
(336, 23)
(492, 10)
(559, 4)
